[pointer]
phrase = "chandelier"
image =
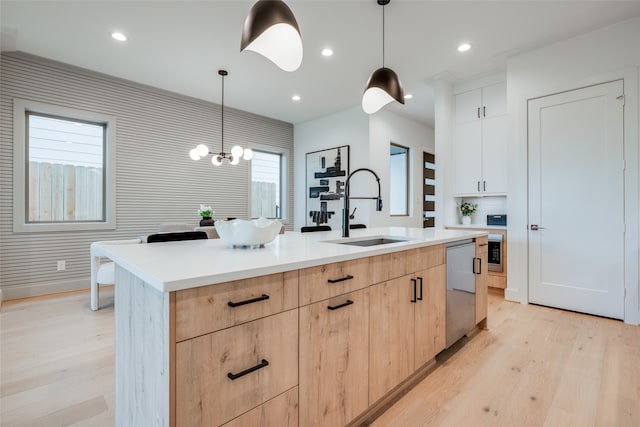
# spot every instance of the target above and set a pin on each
(236, 153)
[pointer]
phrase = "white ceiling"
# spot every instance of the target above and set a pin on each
(179, 45)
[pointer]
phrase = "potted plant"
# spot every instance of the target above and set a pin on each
(206, 212)
(467, 209)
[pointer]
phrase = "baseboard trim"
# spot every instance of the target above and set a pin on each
(24, 291)
(512, 295)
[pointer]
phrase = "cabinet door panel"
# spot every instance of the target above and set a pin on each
(494, 100)
(467, 105)
(391, 335)
(206, 396)
(430, 314)
(334, 351)
(482, 252)
(468, 156)
(494, 155)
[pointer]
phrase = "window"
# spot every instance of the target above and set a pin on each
(62, 169)
(267, 184)
(399, 180)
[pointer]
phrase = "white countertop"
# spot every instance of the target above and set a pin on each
(477, 226)
(173, 266)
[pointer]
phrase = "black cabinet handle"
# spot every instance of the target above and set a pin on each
(478, 112)
(335, 307)
(248, 371)
(474, 265)
(479, 266)
(249, 301)
(342, 279)
(414, 281)
(484, 111)
(420, 297)
(478, 186)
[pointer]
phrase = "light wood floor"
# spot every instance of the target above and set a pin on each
(534, 366)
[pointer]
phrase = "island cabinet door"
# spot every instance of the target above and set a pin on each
(480, 269)
(222, 375)
(391, 335)
(430, 310)
(334, 352)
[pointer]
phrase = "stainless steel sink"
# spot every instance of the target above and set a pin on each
(370, 241)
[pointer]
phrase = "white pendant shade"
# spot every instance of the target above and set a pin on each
(248, 154)
(271, 30)
(194, 154)
(237, 151)
(234, 160)
(374, 99)
(281, 44)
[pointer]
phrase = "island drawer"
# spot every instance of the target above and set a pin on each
(281, 411)
(211, 308)
(330, 280)
(426, 257)
(222, 375)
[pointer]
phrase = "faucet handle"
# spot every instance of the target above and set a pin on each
(379, 204)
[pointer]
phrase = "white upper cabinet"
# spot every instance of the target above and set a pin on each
(481, 141)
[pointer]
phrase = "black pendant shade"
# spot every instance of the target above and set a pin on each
(271, 30)
(384, 85)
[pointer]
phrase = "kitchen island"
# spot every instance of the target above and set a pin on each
(304, 331)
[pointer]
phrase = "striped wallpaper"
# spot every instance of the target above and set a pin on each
(156, 181)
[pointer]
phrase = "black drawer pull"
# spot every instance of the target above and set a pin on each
(347, 277)
(414, 299)
(248, 371)
(335, 307)
(249, 301)
(420, 297)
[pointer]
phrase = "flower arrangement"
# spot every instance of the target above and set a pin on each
(206, 211)
(467, 208)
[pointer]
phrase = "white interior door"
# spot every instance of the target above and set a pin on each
(576, 198)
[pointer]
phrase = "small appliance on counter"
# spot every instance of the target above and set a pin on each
(497, 219)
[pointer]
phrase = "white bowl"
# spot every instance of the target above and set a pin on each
(254, 233)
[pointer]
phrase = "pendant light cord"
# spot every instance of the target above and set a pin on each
(222, 117)
(383, 35)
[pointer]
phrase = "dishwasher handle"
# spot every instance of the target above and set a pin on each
(477, 261)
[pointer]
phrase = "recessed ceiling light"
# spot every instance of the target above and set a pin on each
(464, 47)
(295, 98)
(119, 36)
(327, 51)
(408, 96)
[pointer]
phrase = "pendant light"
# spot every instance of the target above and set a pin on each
(271, 30)
(236, 153)
(384, 85)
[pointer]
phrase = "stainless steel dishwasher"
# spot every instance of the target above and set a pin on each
(461, 290)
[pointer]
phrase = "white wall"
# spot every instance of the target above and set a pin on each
(445, 174)
(369, 138)
(606, 54)
(349, 127)
(386, 127)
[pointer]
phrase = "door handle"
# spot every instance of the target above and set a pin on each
(478, 112)
(415, 291)
(536, 227)
(420, 297)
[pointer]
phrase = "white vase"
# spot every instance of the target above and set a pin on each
(466, 220)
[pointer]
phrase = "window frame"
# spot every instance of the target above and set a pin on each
(284, 159)
(20, 169)
(407, 211)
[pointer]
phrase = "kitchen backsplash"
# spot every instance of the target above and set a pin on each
(486, 206)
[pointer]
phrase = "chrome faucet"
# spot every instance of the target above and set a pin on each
(345, 212)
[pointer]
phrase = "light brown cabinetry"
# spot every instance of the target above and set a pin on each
(334, 349)
(211, 308)
(281, 411)
(480, 269)
(221, 375)
(407, 320)
(330, 280)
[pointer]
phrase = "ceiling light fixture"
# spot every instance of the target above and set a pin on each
(408, 96)
(271, 30)
(464, 47)
(119, 36)
(384, 85)
(236, 152)
(295, 98)
(327, 51)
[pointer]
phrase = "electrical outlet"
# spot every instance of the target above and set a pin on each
(62, 265)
